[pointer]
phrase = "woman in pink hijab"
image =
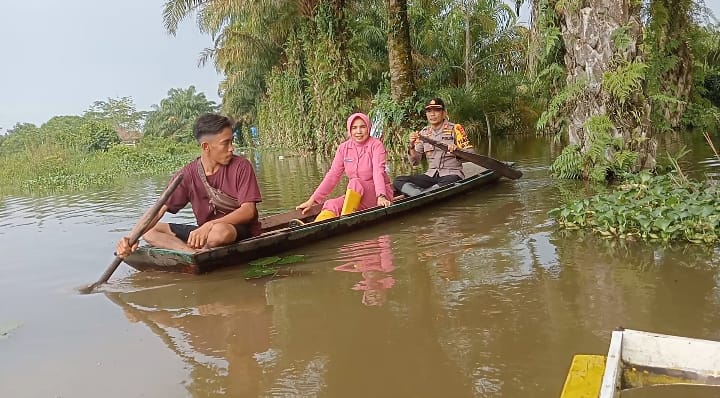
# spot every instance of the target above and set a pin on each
(362, 159)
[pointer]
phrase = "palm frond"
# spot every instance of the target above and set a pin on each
(175, 11)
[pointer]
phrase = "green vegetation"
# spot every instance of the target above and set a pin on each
(270, 266)
(71, 153)
(54, 168)
(656, 208)
(604, 158)
(297, 69)
(653, 74)
(117, 112)
(175, 115)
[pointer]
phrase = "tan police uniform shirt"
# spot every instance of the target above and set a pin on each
(442, 162)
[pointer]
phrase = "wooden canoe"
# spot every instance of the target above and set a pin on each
(277, 236)
(640, 359)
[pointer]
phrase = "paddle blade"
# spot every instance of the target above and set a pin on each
(495, 165)
(87, 289)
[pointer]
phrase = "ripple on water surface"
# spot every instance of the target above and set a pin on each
(479, 292)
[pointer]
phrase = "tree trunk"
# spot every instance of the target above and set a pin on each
(487, 123)
(671, 25)
(326, 73)
(590, 52)
(468, 67)
(338, 7)
(533, 47)
(678, 82)
(402, 84)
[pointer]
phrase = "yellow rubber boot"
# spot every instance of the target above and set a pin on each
(351, 203)
(324, 215)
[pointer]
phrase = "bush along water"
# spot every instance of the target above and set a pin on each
(51, 168)
(661, 208)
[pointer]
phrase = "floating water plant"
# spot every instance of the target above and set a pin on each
(654, 208)
(269, 266)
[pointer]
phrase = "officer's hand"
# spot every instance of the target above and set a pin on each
(414, 137)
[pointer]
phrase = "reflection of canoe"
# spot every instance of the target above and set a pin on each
(216, 331)
(640, 359)
(277, 236)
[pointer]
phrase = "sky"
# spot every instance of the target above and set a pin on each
(58, 57)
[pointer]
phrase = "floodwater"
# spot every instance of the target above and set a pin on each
(479, 296)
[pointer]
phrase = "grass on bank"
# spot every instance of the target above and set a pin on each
(51, 168)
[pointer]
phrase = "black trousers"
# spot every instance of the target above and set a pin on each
(424, 181)
(182, 231)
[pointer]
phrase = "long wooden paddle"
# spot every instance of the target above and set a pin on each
(136, 232)
(480, 160)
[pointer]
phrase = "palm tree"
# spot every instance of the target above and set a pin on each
(670, 25)
(606, 74)
(248, 40)
(251, 37)
(402, 82)
(176, 113)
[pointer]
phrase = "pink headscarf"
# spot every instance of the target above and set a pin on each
(352, 118)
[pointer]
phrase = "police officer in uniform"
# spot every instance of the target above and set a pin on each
(443, 167)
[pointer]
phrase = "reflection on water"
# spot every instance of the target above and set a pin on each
(220, 333)
(479, 296)
(373, 259)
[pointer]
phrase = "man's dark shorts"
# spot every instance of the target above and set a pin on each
(182, 231)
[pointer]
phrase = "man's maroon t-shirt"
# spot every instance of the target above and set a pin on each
(237, 179)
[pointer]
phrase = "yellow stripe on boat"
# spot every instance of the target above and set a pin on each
(584, 378)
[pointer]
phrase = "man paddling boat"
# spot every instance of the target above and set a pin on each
(444, 168)
(221, 188)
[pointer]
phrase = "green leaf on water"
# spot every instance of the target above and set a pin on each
(295, 258)
(260, 272)
(7, 327)
(261, 268)
(265, 261)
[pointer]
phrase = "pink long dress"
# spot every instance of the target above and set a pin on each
(364, 164)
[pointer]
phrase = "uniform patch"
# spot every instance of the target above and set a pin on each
(461, 137)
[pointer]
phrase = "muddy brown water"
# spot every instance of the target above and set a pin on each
(479, 296)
